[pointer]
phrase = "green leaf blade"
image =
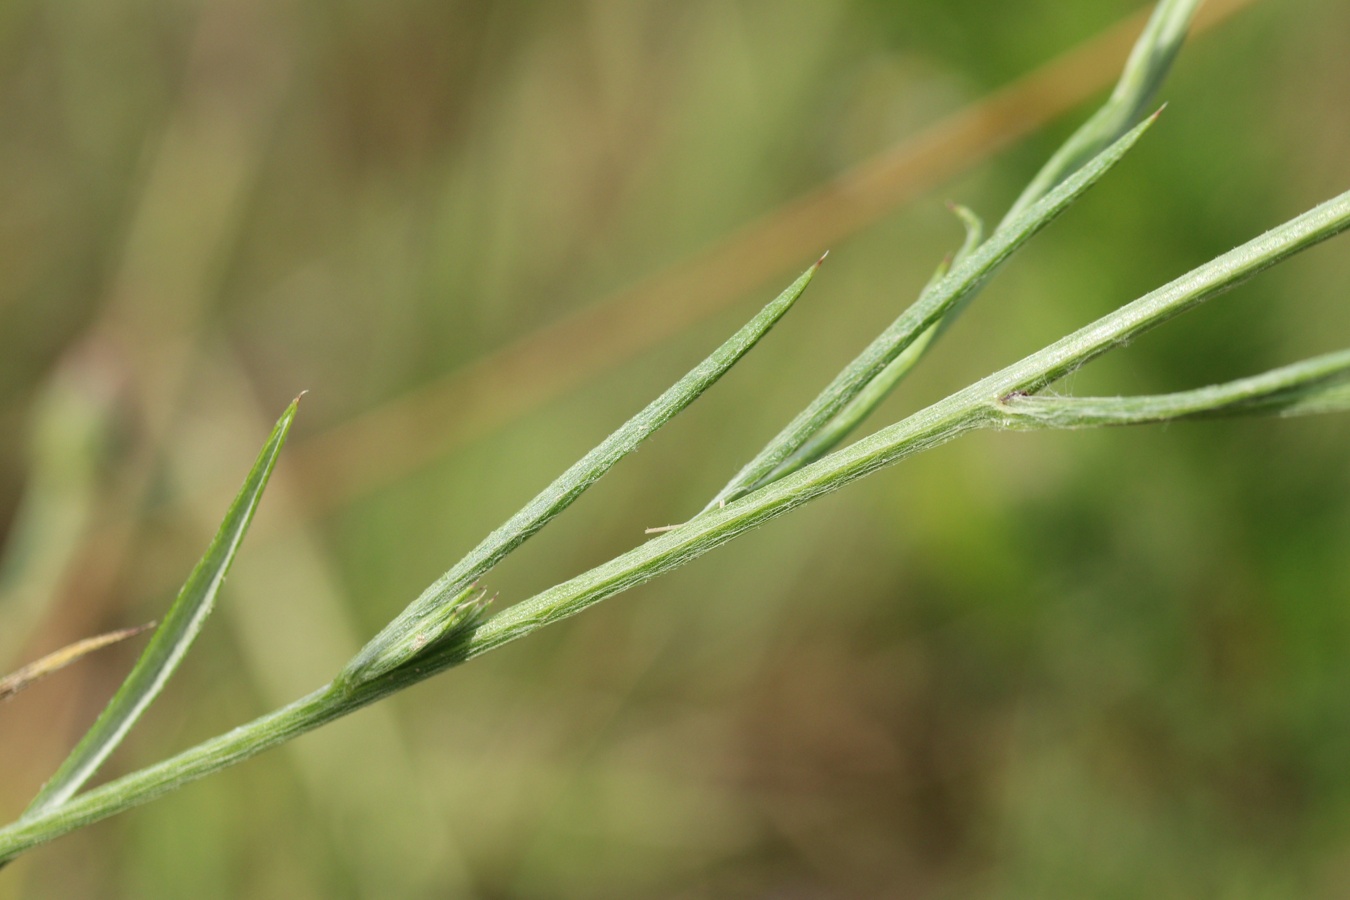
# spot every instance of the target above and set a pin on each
(1317, 385)
(171, 640)
(977, 406)
(847, 420)
(1145, 71)
(426, 620)
(974, 407)
(967, 276)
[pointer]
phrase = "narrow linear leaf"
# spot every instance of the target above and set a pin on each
(1144, 73)
(1322, 222)
(16, 681)
(964, 278)
(975, 406)
(171, 640)
(979, 405)
(425, 621)
(880, 387)
(1320, 384)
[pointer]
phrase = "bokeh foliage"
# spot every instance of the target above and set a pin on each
(1104, 663)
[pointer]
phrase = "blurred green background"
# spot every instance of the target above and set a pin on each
(1077, 664)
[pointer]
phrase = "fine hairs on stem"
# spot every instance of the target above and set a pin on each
(449, 623)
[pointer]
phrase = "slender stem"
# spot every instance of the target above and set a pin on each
(1312, 386)
(149, 783)
(983, 404)
(1145, 71)
(965, 277)
(852, 414)
(172, 639)
(431, 616)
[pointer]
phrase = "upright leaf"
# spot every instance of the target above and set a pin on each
(1144, 72)
(913, 323)
(1146, 69)
(171, 640)
(870, 397)
(438, 611)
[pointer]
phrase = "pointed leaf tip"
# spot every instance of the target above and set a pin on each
(423, 621)
(972, 266)
(174, 636)
(820, 261)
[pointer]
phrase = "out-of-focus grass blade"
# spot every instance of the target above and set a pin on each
(16, 681)
(172, 639)
(73, 427)
(1317, 385)
(438, 611)
(925, 312)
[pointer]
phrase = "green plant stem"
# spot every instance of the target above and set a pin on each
(965, 277)
(439, 611)
(1150, 60)
(1317, 385)
(833, 433)
(1146, 69)
(172, 639)
(983, 404)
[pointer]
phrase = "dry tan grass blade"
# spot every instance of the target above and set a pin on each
(16, 681)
